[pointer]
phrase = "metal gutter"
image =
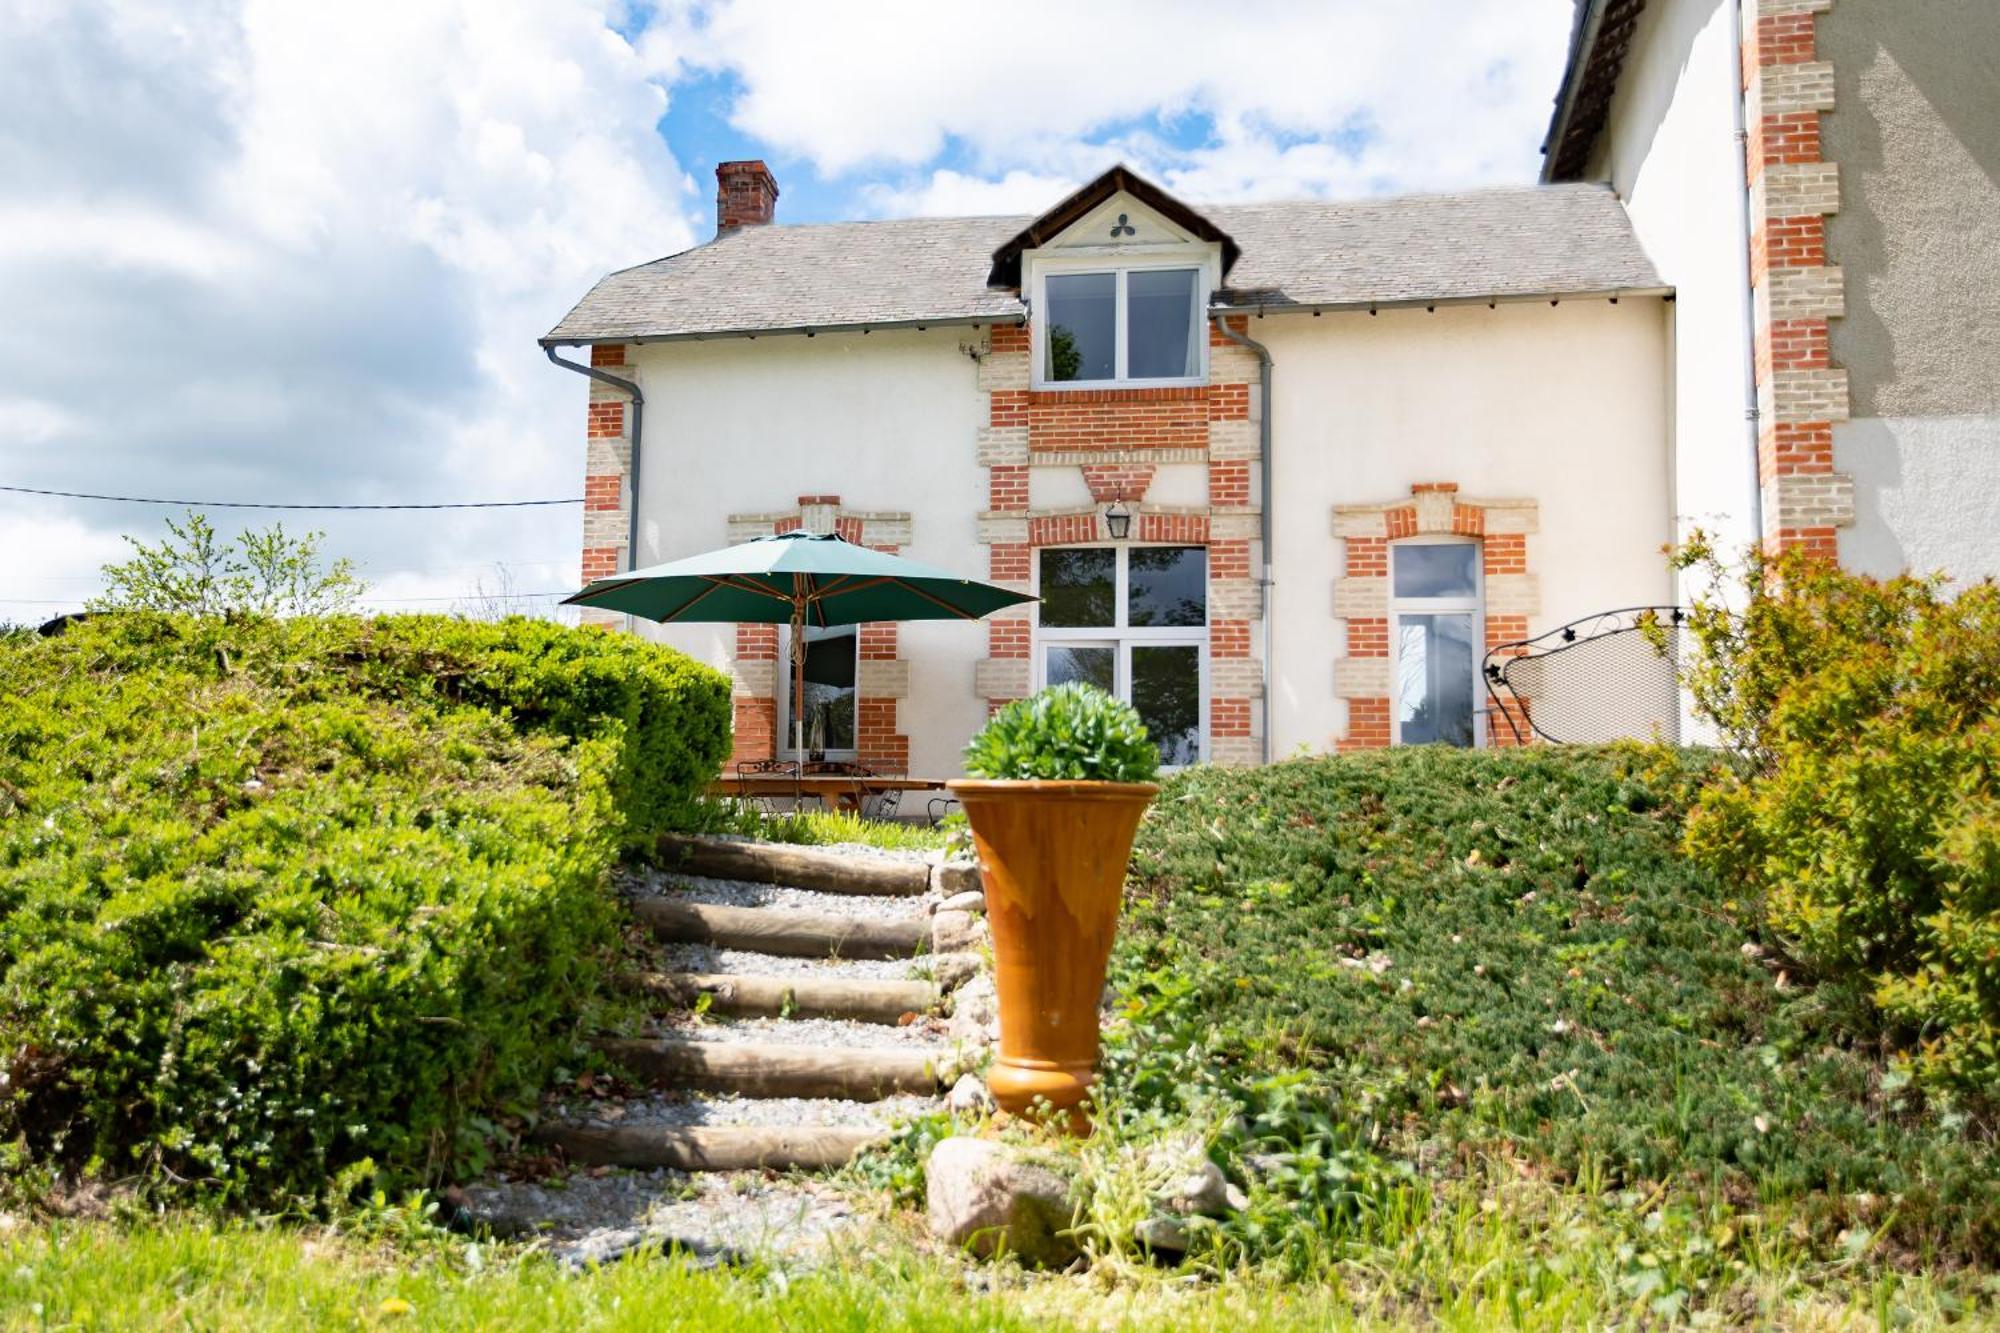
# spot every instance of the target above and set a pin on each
(1263, 355)
(1435, 302)
(1752, 410)
(1259, 309)
(638, 420)
(941, 322)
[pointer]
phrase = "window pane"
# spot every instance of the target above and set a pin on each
(1159, 331)
(1166, 689)
(1167, 586)
(1434, 678)
(1432, 569)
(1079, 587)
(1082, 318)
(1092, 665)
(830, 670)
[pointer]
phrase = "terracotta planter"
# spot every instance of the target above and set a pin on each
(1053, 858)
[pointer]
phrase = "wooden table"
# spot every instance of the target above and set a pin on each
(836, 791)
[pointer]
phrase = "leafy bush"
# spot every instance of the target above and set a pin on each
(1441, 958)
(1073, 733)
(278, 897)
(1867, 818)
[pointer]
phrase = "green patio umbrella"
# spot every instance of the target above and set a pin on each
(800, 579)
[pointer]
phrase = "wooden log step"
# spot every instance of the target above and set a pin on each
(711, 1147)
(856, 1073)
(778, 931)
(864, 998)
(798, 867)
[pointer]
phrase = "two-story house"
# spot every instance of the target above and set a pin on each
(1279, 473)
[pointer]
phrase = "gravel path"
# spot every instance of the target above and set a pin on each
(706, 958)
(745, 893)
(682, 1111)
(598, 1215)
(922, 1035)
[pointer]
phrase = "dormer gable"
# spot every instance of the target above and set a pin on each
(1117, 210)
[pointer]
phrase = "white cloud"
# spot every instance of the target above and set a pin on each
(259, 249)
(1430, 93)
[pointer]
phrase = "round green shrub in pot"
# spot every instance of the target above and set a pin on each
(1058, 785)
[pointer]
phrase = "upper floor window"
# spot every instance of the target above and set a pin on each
(1124, 325)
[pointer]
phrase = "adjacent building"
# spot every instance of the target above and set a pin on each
(1819, 181)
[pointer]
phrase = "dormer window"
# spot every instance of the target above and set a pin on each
(1127, 325)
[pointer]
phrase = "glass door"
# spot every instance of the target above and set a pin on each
(1132, 621)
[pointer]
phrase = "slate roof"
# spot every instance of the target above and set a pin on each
(1504, 243)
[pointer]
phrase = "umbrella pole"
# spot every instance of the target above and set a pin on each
(799, 680)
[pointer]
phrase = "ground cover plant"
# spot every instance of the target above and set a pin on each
(283, 898)
(1386, 988)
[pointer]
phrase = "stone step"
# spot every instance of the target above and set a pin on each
(777, 931)
(771, 1069)
(799, 867)
(866, 1000)
(711, 1147)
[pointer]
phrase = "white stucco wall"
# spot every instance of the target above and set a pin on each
(1671, 153)
(885, 420)
(1563, 405)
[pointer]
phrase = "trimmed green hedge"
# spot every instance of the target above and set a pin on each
(277, 897)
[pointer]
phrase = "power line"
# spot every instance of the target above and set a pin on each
(247, 504)
(363, 599)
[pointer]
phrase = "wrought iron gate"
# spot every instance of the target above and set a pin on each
(1611, 676)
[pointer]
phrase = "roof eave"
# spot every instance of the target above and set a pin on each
(557, 339)
(1583, 44)
(1263, 308)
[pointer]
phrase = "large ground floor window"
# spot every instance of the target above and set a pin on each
(1435, 635)
(1133, 621)
(833, 658)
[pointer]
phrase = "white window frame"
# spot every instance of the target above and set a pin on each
(1121, 270)
(788, 680)
(1122, 638)
(1425, 606)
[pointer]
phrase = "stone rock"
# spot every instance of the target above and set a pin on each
(1162, 1233)
(952, 970)
(1196, 1185)
(988, 1198)
(953, 932)
(955, 877)
(973, 901)
(969, 1096)
(975, 1012)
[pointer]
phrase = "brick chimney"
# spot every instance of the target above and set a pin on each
(746, 195)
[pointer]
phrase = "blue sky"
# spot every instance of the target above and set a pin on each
(310, 247)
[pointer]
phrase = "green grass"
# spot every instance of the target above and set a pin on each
(824, 827)
(1474, 1270)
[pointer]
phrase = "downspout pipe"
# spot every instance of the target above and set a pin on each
(1751, 410)
(628, 387)
(1263, 355)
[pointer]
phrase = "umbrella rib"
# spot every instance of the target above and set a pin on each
(935, 601)
(689, 604)
(578, 598)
